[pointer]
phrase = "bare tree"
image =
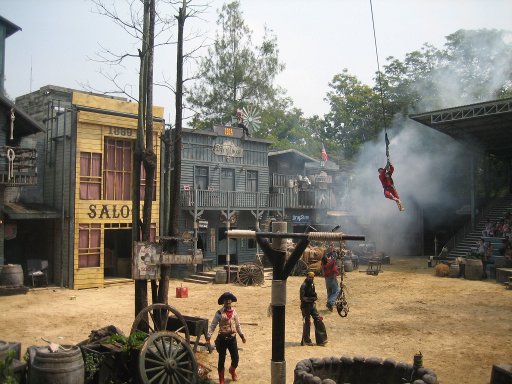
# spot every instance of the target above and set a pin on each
(143, 29)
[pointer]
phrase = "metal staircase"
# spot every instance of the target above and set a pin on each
(467, 237)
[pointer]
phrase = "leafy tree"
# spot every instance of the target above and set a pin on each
(234, 74)
(354, 116)
(473, 66)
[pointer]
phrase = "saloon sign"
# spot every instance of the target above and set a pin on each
(229, 149)
(109, 211)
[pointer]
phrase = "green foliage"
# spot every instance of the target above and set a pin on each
(355, 114)
(474, 66)
(134, 341)
(235, 73)
(92, 364)
(6, 370)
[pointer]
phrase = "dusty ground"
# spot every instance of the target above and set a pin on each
(461, 327)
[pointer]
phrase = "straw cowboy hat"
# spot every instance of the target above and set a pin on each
(226, 296)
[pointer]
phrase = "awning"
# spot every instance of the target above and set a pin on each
(26, 211)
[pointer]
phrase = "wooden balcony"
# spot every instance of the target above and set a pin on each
(308, 198)
(231, 200)
(18, 166)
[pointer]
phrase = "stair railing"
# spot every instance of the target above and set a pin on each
(468, 228)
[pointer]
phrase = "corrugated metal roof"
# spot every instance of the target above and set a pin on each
(487, 125)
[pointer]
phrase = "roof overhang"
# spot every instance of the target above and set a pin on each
(487, 125)
(25, 211)
(292, 152)
(23, 124)
(10, 27)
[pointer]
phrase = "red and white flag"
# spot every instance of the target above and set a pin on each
(324, 154)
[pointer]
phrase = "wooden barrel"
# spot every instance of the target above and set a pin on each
(474, 269)
(348, 266)
(454, 270)
(66, 366)
(221, 276)
(11, 275)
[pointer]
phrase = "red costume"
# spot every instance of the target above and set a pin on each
(388, 185)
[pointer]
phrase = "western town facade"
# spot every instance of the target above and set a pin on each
(228, 180)
(86, 165)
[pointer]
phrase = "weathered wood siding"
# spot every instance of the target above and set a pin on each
(92, 129)
(198, 151)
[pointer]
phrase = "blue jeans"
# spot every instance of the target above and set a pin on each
(331, 283)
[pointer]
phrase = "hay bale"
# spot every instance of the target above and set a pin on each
(442, 270)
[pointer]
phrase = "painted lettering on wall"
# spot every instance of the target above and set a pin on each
(109, 211)
(118, 131)
(228, 149)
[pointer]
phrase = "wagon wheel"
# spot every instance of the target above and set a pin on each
(167, 357)
(300, 268)
(160, 317)
(250, 274)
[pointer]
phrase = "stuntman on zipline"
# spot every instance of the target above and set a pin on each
(388, 184)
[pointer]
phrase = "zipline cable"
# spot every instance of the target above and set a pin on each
(380, 82)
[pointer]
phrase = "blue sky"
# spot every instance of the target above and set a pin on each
(317, 39)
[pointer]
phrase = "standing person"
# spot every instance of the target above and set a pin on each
(330, 272)
(487, 257)
(229, 326)
(388, 184)
(308, 297)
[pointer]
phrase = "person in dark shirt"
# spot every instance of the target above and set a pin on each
(308, 297)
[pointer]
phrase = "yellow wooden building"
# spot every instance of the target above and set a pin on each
(87, 177)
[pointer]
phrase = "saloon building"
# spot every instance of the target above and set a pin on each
(86, 176)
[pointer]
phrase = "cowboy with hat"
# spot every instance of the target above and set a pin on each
(229, 326)
(308, 297)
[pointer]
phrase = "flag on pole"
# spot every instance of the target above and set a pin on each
(324, 154)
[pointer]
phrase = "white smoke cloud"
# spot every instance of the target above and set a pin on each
(431, 168)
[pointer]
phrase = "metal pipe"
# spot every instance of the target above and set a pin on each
(62, 215)
(313, 236)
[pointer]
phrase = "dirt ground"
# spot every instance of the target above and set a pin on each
(461, 327)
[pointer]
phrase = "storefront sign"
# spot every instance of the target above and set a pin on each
(202, 223)
(168, 258)
(109, 211)
(300, 219)
(228, 149)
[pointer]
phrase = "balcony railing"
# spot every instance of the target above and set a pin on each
(308, 198)
(18, 166)
(233, 200)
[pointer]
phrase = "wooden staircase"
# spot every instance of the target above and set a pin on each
(471, 237)
(209, 277)
(201, 277)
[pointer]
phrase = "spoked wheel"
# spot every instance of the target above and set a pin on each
(160, 317)
(167, 358)
(250, 274)
(300, 268)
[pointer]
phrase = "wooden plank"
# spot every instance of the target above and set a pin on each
(168, 258)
